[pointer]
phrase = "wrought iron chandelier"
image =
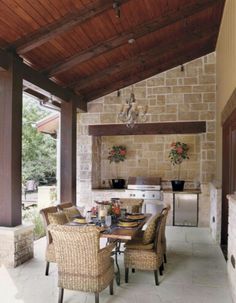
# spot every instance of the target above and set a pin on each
(131, 113)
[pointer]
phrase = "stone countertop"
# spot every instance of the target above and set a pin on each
(185, 191)
(109, 189)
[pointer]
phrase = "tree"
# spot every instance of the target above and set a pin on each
(38, 150)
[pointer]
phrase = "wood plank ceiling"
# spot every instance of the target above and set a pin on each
(84, 46)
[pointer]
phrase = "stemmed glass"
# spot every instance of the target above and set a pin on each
(108, 222)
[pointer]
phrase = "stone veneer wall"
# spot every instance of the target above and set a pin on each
(231, 264)
(16, 245)
(174, 95)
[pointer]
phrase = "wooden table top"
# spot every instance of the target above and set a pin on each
(124, 233)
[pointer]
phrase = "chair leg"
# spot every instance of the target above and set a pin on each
(47, 268)
(61, 294)
(165, 260)
(111, 287)
(133, 270)
(156, 277)
(126, 275)
(160, 271)
(96, 297)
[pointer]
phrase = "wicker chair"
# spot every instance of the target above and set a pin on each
(164, 212)
(50, 253)
(81, 264)
(135, 204)
(146, 258)
(64, 205)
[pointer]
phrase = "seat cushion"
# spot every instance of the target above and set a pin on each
(150, 231)
(57, 218)
(138, 244)
(70, 212)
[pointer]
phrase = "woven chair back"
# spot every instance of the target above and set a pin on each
(158, 236)
(164, 212)
(135, 204)
(64, 205)
(44, 212)
(76, 250)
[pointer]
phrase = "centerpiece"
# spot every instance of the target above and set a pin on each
(177, 154)
(117, 154)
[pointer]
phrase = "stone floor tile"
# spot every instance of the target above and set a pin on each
(195, 272)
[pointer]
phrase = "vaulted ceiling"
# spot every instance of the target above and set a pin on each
(84, 46)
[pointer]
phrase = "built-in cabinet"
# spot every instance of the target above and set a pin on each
(186, 208)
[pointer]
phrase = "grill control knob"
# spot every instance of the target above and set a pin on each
(144, 195)
(153, 196)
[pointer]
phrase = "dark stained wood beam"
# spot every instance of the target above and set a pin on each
(166, 128)
(10, 144)
(68, 153)
(40, 80)
(44, 99)
(145, 57)
(154, 67)
(139, 31)
(46, 33)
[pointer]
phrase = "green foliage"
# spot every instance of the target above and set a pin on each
(38, 150)
(117, 153)
(31, 215)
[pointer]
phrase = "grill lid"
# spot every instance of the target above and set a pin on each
(144, 183)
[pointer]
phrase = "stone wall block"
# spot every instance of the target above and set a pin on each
(182, 89)
(192, 98)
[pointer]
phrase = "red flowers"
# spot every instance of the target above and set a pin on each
(178, 152)
(117, 153)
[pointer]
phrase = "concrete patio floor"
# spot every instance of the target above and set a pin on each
(196, 272)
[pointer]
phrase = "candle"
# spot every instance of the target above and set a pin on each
(102, 213)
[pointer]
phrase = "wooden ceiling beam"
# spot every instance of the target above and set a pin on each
(161, 128)
(46, 33)
(153, 69)
(147, 56)
(138, 32)
(37, 79)
(42, 81)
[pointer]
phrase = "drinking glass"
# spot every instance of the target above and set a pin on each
(108, 222)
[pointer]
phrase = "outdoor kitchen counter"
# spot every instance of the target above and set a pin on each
(109, 189)
(185, 191)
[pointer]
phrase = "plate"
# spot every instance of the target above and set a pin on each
(135, 216)
(127, 224)
(80, 221)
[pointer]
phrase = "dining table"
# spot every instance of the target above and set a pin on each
(118, 234)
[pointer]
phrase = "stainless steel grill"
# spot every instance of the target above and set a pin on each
(149, 189)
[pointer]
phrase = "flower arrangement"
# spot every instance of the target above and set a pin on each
(117, 153)
(178, 153)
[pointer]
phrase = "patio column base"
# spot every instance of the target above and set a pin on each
(17, 245)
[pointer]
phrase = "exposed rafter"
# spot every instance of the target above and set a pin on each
(152, 69)
(44, 34)
(36, 78)
(145, 57)
(140, 31)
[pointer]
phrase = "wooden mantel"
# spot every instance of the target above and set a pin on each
(165, 128)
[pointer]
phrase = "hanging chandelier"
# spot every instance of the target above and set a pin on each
(131, 113)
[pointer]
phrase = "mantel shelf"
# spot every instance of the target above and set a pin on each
(194, 127)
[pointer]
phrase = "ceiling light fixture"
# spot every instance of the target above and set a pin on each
(116, 6)
(130, 112)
